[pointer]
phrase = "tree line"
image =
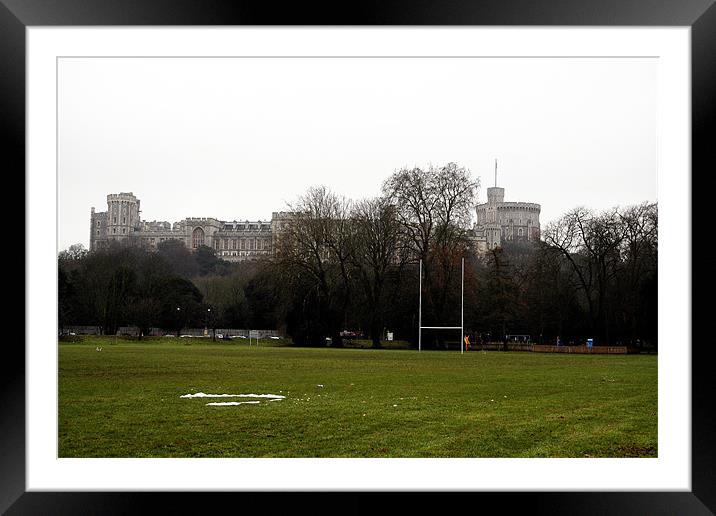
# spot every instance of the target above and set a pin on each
(341, 264)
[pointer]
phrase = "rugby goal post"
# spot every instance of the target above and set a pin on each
(462, 310)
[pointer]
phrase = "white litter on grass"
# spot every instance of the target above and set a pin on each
(226, 403)
(204, 395)
(319, 385)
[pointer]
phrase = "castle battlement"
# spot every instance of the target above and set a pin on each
(233, 241)
(519, 206)
(499, 221)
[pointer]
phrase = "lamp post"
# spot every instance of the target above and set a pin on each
(210, 320)
(206, 322)
(178, 321)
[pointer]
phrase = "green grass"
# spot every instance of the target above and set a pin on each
(125, 402)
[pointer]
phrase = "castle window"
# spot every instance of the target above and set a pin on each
(243, 244)
(124, 220)
(114, 231)
(98, 232)
(124, 231)
(98, 223)
(197, 238)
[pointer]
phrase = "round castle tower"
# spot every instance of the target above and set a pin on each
(495, 194)
(122, 215)
(498, 220)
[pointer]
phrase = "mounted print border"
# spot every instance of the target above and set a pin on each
(16, 16)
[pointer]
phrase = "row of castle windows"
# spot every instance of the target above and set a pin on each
(114, 220)
(197, 239)
(237, 253)
(511, 221)
(508, 234)
(263, 244)
(114, 231)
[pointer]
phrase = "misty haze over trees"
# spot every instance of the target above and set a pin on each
(345, 264)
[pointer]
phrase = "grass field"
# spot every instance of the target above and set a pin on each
(125, 402)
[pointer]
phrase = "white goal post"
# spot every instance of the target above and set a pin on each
(462, 311)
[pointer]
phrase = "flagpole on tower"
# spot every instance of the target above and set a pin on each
(495, 171)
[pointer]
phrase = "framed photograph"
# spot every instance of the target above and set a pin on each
(212, 141)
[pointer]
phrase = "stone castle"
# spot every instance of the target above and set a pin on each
(232, 241)
(497, 221)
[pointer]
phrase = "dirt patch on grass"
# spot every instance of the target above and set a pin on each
(636, 450)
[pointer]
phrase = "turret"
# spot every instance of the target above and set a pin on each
(495, 195)
(122, 214)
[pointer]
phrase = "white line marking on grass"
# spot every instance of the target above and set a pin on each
(204, 395)
(226, 403)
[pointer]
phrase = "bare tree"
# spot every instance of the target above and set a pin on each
(639, 265)
(591, 244)
(434, 207)
(316, 243)
(75, 252)
(377, 248)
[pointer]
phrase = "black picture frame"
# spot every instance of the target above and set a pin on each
(700, 15)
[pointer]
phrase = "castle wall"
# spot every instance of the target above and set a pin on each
(232, 241)
(499, 221)
(236, 241)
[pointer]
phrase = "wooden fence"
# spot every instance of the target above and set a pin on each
(616, 350)
(545, 348)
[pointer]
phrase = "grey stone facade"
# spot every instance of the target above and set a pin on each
(499, 221)
(232, 240)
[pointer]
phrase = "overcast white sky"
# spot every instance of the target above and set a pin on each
(236, 139)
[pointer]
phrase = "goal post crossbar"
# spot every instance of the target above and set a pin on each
(462, 311)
